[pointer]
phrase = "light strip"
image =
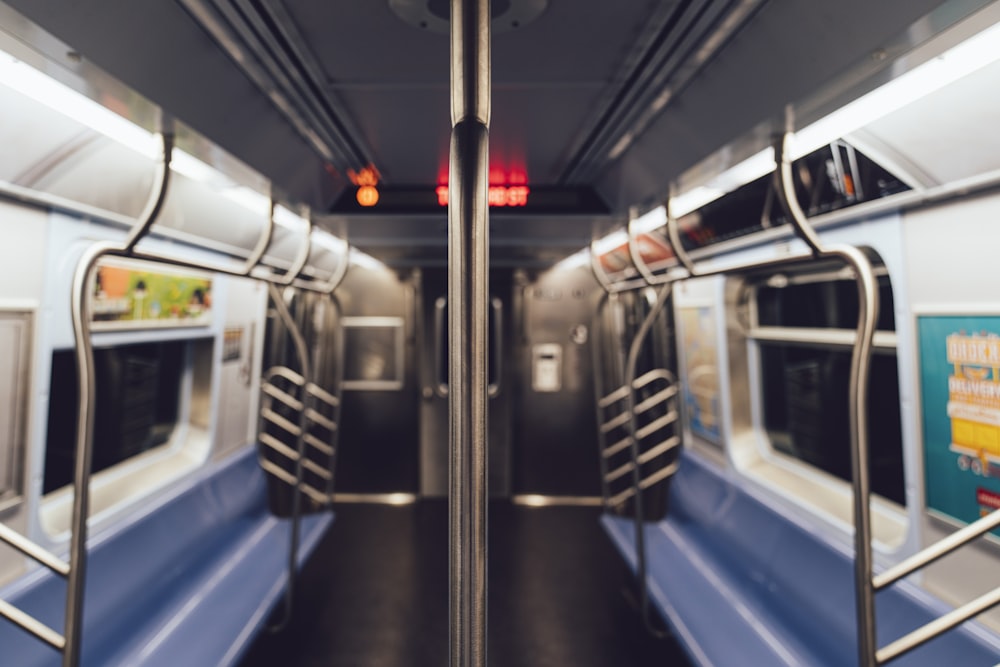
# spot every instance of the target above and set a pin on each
(365, 260)
(45, 90)
(40, 87)
(961, 60)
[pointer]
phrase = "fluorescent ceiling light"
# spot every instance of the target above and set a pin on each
(613, 240)
(40, 87)
(650, 221)
(329, 241)
(577, 260)
(961, 60)
(365, 260)
(45, 90)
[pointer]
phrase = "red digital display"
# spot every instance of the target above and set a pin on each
(499, 195)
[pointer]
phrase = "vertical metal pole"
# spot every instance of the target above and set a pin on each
(468, 296)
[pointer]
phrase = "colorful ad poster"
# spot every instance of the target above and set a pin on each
(133, 295)
(960, 387)
(701, 372)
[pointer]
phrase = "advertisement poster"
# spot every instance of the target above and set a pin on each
(960, 386)
(130, 295)
(701, 370)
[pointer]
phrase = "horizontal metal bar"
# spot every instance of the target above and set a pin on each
(938, 626)
(617, 421)
(289, 479)
(293, 455)
(538, 500)
(284, 372)
(32, 625)
(318, 418)
(647, 405)
(376, 498)
(646, 378)
(319, 444)
(658, 476)
(322, 394)
(938, 550)
(617, 447)
(281, 396)
(659, 397)
(317, 470)
(277, 445)
(883, 340)
(276, 419)
(32, 550)
(660, 448)
(655, 425)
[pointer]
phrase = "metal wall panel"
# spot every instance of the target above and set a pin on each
(554, 433)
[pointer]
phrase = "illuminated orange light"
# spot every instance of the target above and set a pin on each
(497, 195)
(367, 195)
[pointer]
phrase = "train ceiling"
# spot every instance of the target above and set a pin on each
(618, 97)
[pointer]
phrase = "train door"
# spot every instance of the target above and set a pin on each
(379, 452)
(554, 450)
(434, 374)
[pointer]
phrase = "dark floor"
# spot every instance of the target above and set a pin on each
(375, 594)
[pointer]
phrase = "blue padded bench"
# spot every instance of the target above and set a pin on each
(742, 584)
(189, 581)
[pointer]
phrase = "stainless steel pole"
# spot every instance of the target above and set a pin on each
(468, 296)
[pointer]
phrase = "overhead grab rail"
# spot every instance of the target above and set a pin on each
(610, 286)
(298, 430)
(618, 413)
(75, 569)
(866, 585)
(859, 370)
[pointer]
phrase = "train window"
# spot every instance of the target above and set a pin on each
(373, 358)
(14, 359)
(136, 407)
(803, 329)
(151, 423)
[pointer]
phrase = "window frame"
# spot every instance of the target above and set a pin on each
(751, 450)
(187, 448)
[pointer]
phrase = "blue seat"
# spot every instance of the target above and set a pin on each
(190, 581)
(742, 583)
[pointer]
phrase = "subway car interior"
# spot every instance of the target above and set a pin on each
(525, 332)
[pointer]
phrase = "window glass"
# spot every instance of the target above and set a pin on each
(136, 406)
(805, 411)
(826, 304)
(805, 379)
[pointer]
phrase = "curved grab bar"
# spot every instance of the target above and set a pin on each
(631, 364)
(83, 278)
(868, 305)
(295, 270)
(156, 198)
(335, 280)
(262, 243)
(302, 352)
(636, 256)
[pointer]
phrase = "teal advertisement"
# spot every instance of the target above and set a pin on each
(960, 387)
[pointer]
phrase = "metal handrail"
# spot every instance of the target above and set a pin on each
(301, 351)
(611, 287)
(263, 242)
(631, 364)
(468, 299)
(86, 387)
